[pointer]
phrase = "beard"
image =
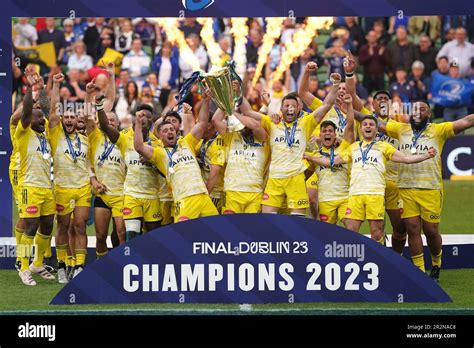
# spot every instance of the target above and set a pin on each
(418, 126)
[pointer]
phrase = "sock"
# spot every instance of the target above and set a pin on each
(73, 261)
(381, 241)
(68, 260)
(99, 255)
(47, 252)
(436, 259)
(61, 253)
(18, 235)
(41, 242)
(25, 251)
(419, 262)
(81, 257)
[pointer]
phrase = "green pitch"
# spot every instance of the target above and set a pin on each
(456, 218)
(18, 298)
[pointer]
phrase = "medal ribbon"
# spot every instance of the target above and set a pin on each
(71, 147)
(290, 136)
(365, 152)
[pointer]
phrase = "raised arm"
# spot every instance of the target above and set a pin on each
(330, 99)
(110, 131)
(351, 80)
(28, 100)
(89, 108)
(188, 118)
(246, 109)
(258, 131)
(303, 91)
(43, 97)
(200, 127)
(16, 116)
(53, 116)
(145, 150)
(463, 124)
(400, 157)
(349, 134)
(219, 123)
(110, 92)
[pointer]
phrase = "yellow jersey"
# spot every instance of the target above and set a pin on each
(368, 166)
(247, 163)
(392, 167)
(181, 167)
(109, 165)
(15, 156)
(288, 144)
(212, 152)
(141, 180)
(35, 157)
(70, 158)
(333, 183)
(426, 174)
(164, 191)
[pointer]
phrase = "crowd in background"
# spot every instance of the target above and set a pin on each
(415, 58)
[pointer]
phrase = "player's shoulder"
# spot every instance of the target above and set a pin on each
(127, 132)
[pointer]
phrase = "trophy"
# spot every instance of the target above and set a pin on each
(219, 83)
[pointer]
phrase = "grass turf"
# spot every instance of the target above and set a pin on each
(18, 298)
(456, 218)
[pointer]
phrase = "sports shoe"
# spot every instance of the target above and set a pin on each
(434, 274)
(42, 272)
(62, 275)
(18, 265)
(50, 264)
(69, 272)
(77, 270)
(26, 278)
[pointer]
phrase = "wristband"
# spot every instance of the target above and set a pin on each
(263, 109)
(99, 107)
(349, 75)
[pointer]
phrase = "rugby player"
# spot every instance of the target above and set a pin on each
(382, 106)
(334, 179)
(178, 160)
(421, 185)
(72, 185)
(211, 158)
(247, 154)
(288, 140)
(368, 158)
(141, 205)
(107, 178)
(35, 192)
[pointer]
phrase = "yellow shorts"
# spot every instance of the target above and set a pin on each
(137, 208)
(166, 208)
(193, 207)
(362, 207)
(13, 174)
(69, 198)
(242, 202)
(35, 202)
(392, 196)
(425, 203)
(114, 203)
(312, 182)
(292, 190)
(332, 211)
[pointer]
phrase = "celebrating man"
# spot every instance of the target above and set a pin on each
(368, 159)
(178, 160)
(72, 184)
(421, 186)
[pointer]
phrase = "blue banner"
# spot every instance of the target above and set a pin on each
(458, 156)
(252, 259)
(449, 92)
